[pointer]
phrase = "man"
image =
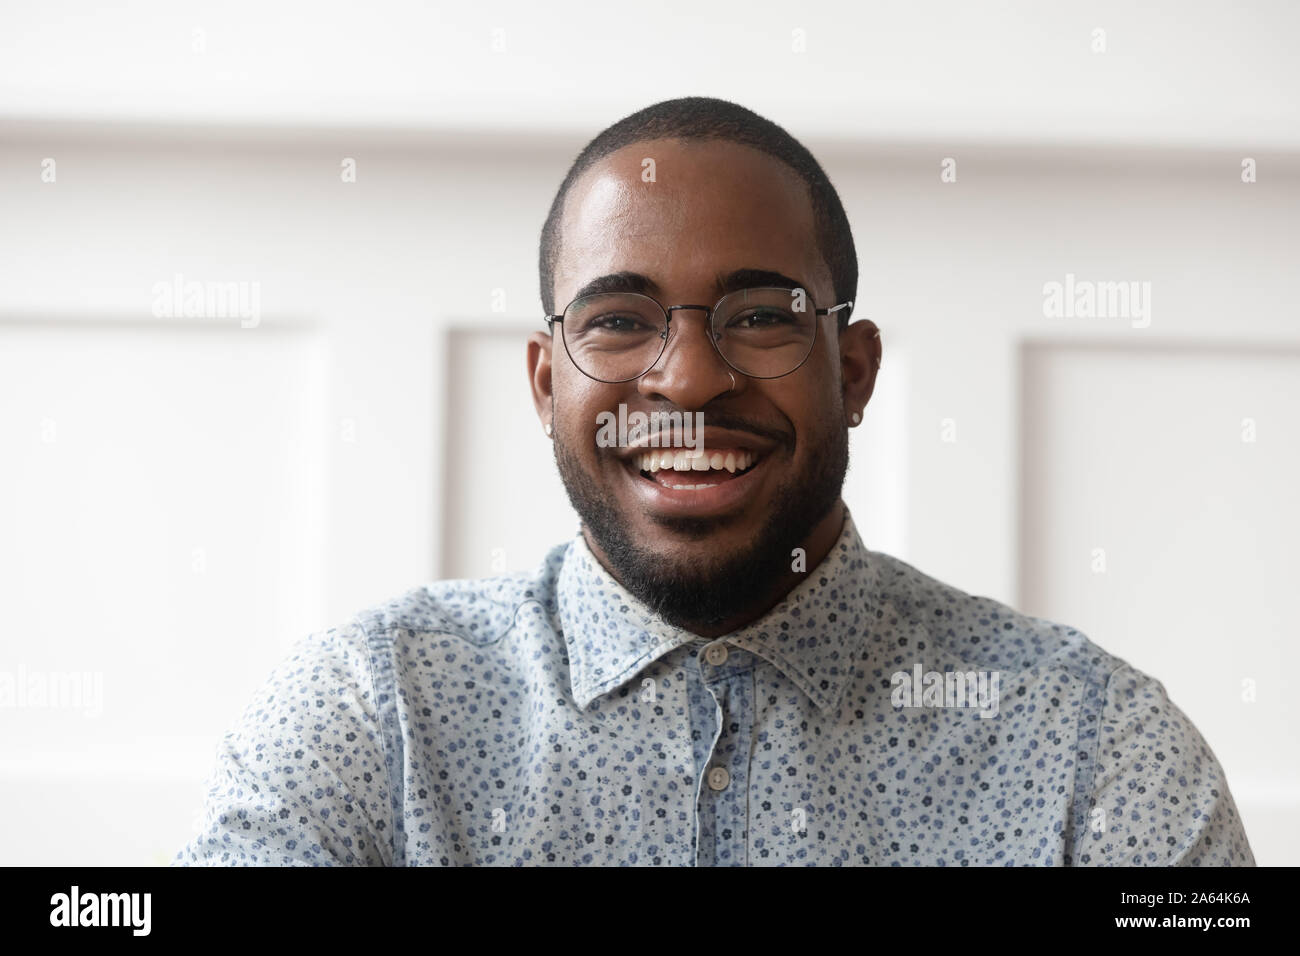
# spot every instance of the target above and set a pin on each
(715, 671)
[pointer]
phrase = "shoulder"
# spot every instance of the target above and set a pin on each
(1148, 788)
(1158, 795)
(982, 631)
(478, 611)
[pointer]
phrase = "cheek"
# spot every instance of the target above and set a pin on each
(810, 400)
(827, 351)
(824, 382)
(578, 404)
(573, 392)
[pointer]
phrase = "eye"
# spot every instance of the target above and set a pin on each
(616, 322)
(760, 319)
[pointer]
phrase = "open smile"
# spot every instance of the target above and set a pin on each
(708, 481)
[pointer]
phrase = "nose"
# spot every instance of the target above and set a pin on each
(690, 373)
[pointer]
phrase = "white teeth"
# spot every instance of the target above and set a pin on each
(698, 460)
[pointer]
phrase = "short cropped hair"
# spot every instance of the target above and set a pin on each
(697, 118)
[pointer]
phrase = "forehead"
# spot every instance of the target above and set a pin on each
(682, 213)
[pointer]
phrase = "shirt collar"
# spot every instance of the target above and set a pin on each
(814, 635)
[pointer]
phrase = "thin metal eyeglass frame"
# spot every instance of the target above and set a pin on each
(709, 312)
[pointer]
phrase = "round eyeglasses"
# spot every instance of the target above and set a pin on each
(619, 336)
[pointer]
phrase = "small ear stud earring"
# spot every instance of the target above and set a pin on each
(547, 428)
(856, 418)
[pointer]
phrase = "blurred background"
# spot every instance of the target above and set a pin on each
(266, 270)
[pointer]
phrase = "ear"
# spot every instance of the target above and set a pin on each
(539, 373)
(860, 353)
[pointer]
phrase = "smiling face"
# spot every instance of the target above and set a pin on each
(708, 549)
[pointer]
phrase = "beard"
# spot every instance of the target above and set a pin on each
(702, 591)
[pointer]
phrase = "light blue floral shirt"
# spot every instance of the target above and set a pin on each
(549, 718)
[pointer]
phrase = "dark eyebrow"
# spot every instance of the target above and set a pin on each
(620, 282)
(754, 278)
(724, 283)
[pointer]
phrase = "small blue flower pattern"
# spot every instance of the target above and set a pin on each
(551, 719)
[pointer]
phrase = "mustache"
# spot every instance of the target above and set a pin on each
(662, 418)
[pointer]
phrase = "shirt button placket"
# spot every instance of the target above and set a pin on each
(728, 805)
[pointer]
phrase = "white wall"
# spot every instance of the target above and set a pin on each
(180, 498)
(1191, 72)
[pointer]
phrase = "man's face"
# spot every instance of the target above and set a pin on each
(698, 555)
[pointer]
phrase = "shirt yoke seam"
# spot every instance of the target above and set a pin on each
(386, 629)
(381, 667)
(1086, 776)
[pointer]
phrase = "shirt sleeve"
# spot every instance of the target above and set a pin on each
(1158, 795)
(300, 780)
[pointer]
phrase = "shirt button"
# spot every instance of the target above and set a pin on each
(719, 778)
(716, 654)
